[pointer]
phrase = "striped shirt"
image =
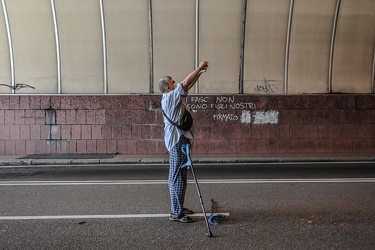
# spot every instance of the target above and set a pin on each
(173, 106)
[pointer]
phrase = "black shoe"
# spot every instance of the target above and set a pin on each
(187, 211)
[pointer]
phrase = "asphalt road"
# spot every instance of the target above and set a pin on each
(270, 206)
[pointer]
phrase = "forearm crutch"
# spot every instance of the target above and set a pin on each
(186, 150)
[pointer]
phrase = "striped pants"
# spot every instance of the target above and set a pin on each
(177, 180)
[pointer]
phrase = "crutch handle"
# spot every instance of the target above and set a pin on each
(185, 148)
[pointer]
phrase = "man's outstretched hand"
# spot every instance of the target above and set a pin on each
(191, 79)
(203, 66)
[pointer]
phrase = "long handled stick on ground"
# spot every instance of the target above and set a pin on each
(186, 151)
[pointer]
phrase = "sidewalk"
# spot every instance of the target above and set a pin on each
(84, 159)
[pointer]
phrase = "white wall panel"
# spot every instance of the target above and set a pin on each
(127, 39)
(174, 36)
(266, 30)
(310, 43)
(33, 41)
(127, 46)
(354, 47)
(220, 44)
(80, 46)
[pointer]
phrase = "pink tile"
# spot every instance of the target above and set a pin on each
(25, 132)
(71, 146)
(101, 146)
(30, 147)
(14, 102)
(10, 147)
(15, 132)
(81, 147)
(91, 146)
(86, 132)
(66, 133)
(96, 131)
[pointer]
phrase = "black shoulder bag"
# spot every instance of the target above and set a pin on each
(186, 121)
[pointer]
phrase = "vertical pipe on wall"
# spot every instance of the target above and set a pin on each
(373, 74)
(151, 87)
(57, 42)
(287, 47)
(333, 37)
(242, 53)
(10, 44)
(104, 42)
(197, 41)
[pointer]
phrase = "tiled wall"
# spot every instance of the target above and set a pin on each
(233, 124)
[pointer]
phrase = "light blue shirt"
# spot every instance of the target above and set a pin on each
(172, 105)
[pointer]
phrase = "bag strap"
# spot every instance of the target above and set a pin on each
(170, 121)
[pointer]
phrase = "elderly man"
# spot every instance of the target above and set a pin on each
(173, 110)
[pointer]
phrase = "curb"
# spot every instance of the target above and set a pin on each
(122, 160)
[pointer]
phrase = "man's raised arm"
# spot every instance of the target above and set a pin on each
(192, 78)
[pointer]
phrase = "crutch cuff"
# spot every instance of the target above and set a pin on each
(185, 148)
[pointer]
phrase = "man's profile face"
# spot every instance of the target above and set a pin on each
(171, 84)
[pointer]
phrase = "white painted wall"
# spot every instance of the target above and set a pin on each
(128, 50)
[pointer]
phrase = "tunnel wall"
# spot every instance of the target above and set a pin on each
(125, 47)
(224, 124)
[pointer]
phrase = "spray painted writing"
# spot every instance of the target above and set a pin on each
(225, 117)
(266, 87)
(219, 102)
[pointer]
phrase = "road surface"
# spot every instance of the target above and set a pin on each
(268, 206)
